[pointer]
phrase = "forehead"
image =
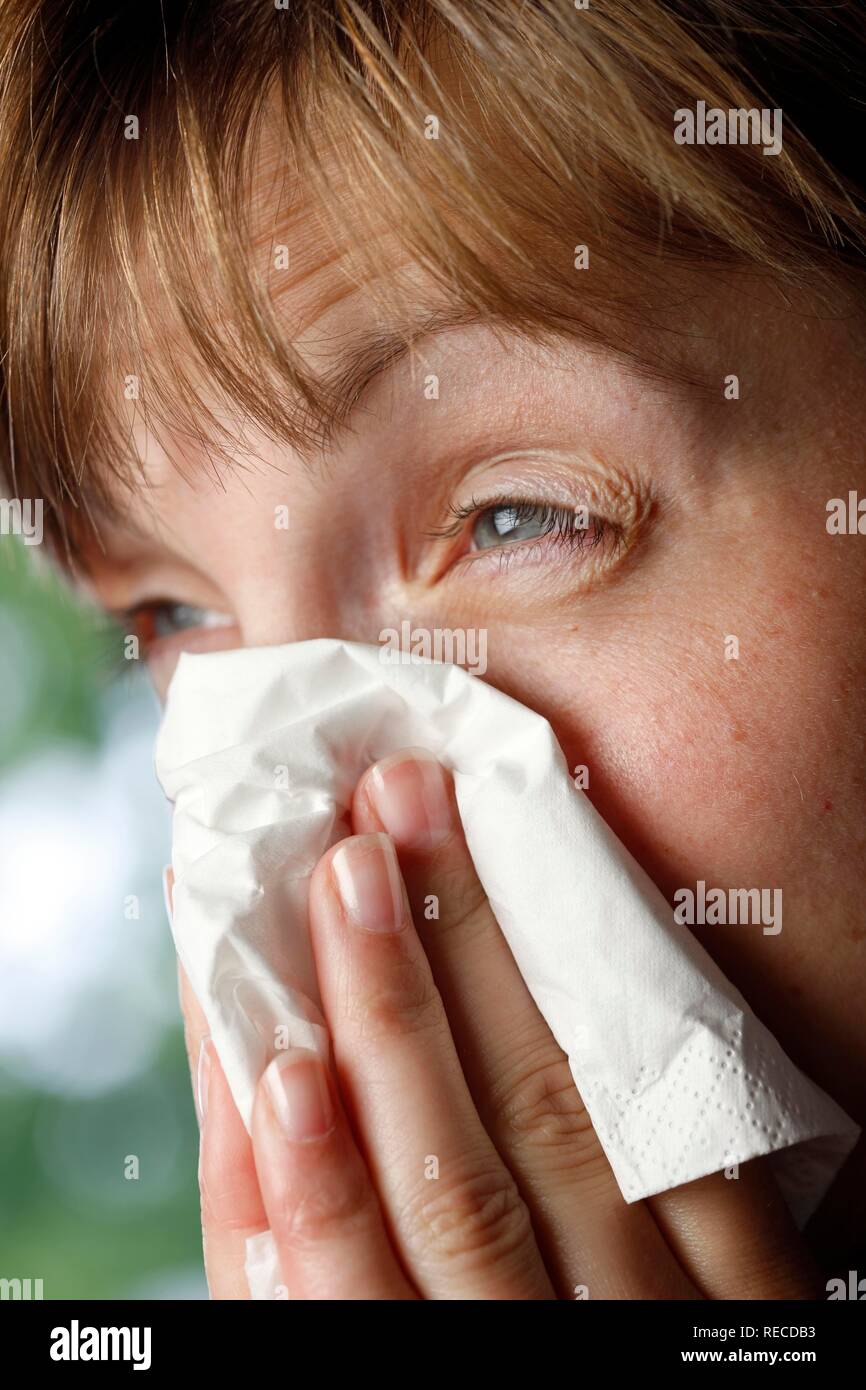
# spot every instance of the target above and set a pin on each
(345, 291)
(318, 258)
(347, 321)
(347, 295)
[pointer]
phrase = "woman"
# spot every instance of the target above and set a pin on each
(324, 317)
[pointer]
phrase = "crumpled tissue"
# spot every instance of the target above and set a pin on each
(260, 750)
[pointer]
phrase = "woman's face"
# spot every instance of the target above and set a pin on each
(650, 566)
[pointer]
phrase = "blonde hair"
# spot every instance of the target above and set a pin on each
(555, 129)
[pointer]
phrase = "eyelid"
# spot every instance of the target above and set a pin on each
(546, 478)
(616, 503)
(465, 511)
(600, 535)
(147, 617)
(151, 604)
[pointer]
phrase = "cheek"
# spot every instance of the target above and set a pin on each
(689, 770)
(738, 770)
(744, 773)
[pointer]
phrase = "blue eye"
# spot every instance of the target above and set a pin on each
(510, 522)
(160, 619)
(506, 523)
(169, 618)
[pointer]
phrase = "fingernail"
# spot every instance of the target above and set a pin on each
(202, 1079)
(410, 794)
(367, 878)
(297, 1085)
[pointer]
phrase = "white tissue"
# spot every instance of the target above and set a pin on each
(260, 751)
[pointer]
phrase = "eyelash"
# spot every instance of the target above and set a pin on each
(144, 618)
(557, 520)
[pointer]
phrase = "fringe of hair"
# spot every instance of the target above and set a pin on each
(141, 257)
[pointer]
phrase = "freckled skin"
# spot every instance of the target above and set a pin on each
(744, 772)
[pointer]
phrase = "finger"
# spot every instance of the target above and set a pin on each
(195, 1025)
(517, 1073)
(231, 1206)
(736, 1236)
(195, 1029)
(455, 1214)
(321, 1205)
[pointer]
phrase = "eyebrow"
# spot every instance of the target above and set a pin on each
(369, 357)
(372, 356)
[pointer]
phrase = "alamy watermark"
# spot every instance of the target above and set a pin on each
(854, 1288)
(702, 906)
(77, 1343)
(846, 516)
(460, 646)
(22, 516)
(737, 126)
(21, 1289)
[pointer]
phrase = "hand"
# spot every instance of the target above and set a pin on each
(447, 1152)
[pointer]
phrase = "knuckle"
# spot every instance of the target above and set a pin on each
(543, 1110)
(334, 1206)
(227, 1206)
(407, 1002)
(480, 1217)
(464, 906)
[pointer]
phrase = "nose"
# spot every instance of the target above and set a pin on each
(276, 603)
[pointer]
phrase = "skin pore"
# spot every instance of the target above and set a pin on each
(707, 520)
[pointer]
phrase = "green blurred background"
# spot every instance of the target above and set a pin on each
(98, 1139)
